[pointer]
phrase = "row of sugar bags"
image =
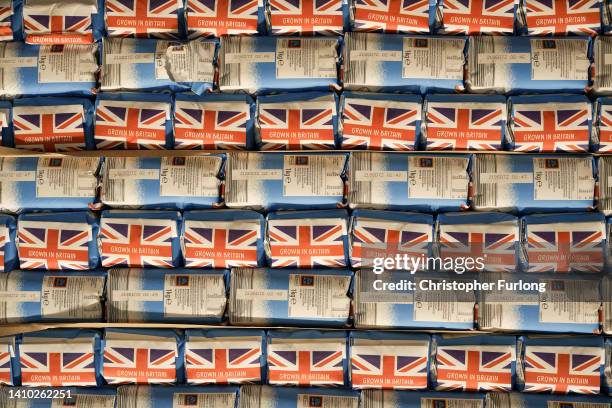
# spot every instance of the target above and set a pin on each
(359, 360)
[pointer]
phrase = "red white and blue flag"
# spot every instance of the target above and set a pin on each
(53, 245)
(143, 18)
(469, 17)
(221, 244)
(563, 370)
(605, 129)
(559, 17)
(312, 363)
(296, 126)
(235, 361)
(379, 125)
(131, 125)
(551, 128)
(5, 365)
(148, 363)
(474, 368)
(307, 243)
(465, 126)
(49, 128)
(214, 125)
(392, 16)
(214, 18)
(45, 24)
(137, 242)
(306, 17)
(6, 16)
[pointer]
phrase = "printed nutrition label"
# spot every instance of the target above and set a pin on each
(319, 296)
(189, 176)
(66, 63)
(311, 175)
(298, 58)
(437, 177)
(85, 400)
(563, 178)
(71, 298)
(203, 400)
(194, 295)
(442, 305)
(191, 62)
(66, 177)
(554, 60)
(433, 58)
(569, 302)
(451, 403)
(327, 401)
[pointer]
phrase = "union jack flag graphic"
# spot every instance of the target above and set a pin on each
(389, 366)
(559, 17)
(5, 366)
(131, 125)
(569, 247)
(137, 242)
(127, 363)
(57, 365)
(464, 126)
(392, 16)
(379, 125)
(214, 125)
(383, 239)
(563, 370)
(214, 18)
(221, 244)
(142, 18)
(49, 128)
(495, 244)
(307, 243)
(546, 128)
(474, 368)
(6, 15)
(312, 363)
(471, 17)
(43, 27)
(307, 125)
(4, 239)
(236, 361)
(53, 245)
(306, 17)
(605, 129)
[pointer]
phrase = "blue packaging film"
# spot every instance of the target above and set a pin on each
(411, 399)
(7, 357)
(43, 70)
(131, 238)
(48, 183)
(296, 397)
(35, 296)
(533, 183)
(415, 182)
(403, 63)
(6, 123)
(223, 238)
(539, 302)
(11, 23)
(262, 297)
(301, 121)
(307, 239)
(179, 182)
(282, 181)
(266, 64)
(58, 241)
(601, 135)
(8, 248)
(157, 295)
(143, 396)
(515, 65)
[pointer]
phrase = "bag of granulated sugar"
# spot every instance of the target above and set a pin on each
(285, 181)
(413, 182)
(42, 70)
(542, 303)
(421, 399)
(473, 18)
(516, 65)
(48, 183)
(218, 19)
(275, 64)
(158, 19)
(560, 18)
(533, 183)
(330, 19)
(297, 297)
(158, 295)
(525, 400)
(177, 396)
(177, 182)
(602, 48)
(403, 63)
(292, 397)
(8, 248)
(392, 17)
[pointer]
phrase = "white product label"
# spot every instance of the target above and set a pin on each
(66, 177)
(506, 58)
(13, 176)
(607, 59)
(568, 302)
(137, 295)
(249, 57)
(18, 62)
(433, 58)
(314, 176)
(18, 296)
(506, 178)
(194, 295)
(319, 296)
(189, 177)
(376, 55)
(298, 58)
(256, 174)
(191, 62)
(262, 294)
(437, 178)
(326, 401)
(203, 400)
(85, 401)
(133, 174)
(563, 179)
(443, 305)
(71, 297)
(132, 58)
(66, 63)
(559, 60)
(451, 403)
(374, 175)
